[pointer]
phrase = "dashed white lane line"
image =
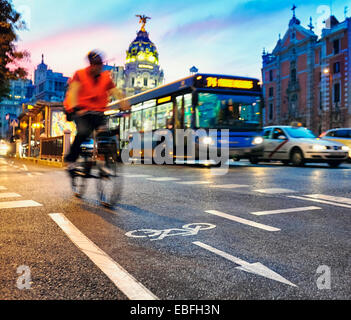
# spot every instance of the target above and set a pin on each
(322, 201)
(19, 204)
(163, 179)
(241, 220)
(9, 195)
(274, 190)
(137, 176)
(329, 198)
(125, 282)
(263, 213)
(229, 186)
(194, 182)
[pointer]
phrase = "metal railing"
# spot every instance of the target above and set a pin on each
(54, 148)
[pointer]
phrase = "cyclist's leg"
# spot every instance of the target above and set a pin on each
(84, 129)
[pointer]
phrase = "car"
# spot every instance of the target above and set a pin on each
(342, 135)
(4, 148)
(298, 145)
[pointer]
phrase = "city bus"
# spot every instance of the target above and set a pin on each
(200, 101)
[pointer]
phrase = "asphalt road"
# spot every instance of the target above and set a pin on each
(258, 232)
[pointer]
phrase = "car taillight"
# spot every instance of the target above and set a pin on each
(322, 135)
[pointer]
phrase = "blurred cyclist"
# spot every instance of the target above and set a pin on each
(86, 100)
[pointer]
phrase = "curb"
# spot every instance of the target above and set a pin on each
(51, 163)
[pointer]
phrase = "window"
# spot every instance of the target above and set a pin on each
(145, 82)
(320, 100)
(293, 75)
(188, 111)
(133, 82)
(149, 119)
(270, 75)
(337, 92)
(277, 133)
(219, 111)
(330, 134)
(336, 46)
(164, 115)
(267, 133)
(336, 67)
(271, 92)
(341, 134)
(270, 115)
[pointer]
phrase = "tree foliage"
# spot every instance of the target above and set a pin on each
(10, 57)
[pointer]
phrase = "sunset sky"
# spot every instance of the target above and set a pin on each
(223, 36)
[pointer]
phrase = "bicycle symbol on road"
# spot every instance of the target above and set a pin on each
(190, 229)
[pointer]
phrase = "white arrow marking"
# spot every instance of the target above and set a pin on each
(256, 268)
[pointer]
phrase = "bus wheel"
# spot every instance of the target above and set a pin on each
(285, 162)
(254, 160)
(297, 158)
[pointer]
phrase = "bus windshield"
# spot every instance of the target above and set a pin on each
(220, 111)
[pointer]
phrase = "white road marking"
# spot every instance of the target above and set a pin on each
(263, 213)
(241, 220)
(163, 179)
(137, 176)
(125, 282)
(194, 182)
(229, 186)
(274, 190)
(19, 204)
(2, 188)
(322, 201)
(9, 195)
(255, 268)
(329, 198)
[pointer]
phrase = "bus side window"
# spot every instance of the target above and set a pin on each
(164, 115)
(188, 114)
(178, 117)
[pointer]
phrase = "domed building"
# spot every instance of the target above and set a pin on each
(142, 71)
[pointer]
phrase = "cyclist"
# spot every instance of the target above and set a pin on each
(86, 100)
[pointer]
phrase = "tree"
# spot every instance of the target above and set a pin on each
(10, 22)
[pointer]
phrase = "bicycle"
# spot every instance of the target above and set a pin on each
(103, 164)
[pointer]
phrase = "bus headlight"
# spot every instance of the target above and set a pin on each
(207, 140)
(257, 140)
(345, 148)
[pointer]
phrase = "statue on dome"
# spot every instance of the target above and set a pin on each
(143, 20)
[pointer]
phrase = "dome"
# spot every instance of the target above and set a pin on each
(142, 50)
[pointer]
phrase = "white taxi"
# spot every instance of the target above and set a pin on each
(298, 145)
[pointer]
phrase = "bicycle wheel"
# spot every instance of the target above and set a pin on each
(79, 181)
(110, 182)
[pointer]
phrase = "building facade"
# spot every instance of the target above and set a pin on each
(49, 86)
(305, 77)
(21, 91)
(141, 71)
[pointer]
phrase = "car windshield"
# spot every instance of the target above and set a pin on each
(299, 133)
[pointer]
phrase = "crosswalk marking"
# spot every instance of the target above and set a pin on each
(9, 195)
(262, 213)
(163, 179)
(229, 186)
(133, 289)
(329, 198)
(274, 190)
(19, 204)
(241, 220)
(2, 188)
(194, 182)
(322, 201)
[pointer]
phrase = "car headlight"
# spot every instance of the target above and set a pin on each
(257, 140)
(345, 148)
(207, 140)
(318, 147)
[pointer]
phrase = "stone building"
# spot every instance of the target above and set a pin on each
(305, 77)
